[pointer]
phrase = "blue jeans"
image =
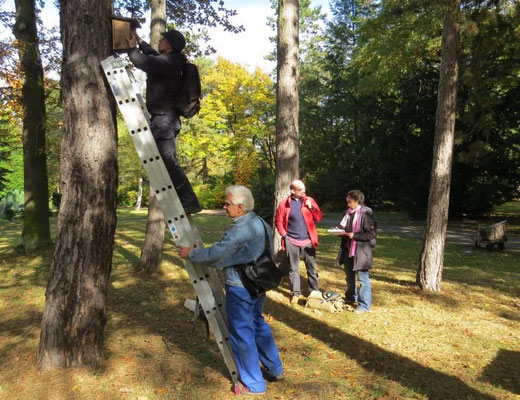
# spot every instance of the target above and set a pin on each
(363, 295)
(251, 339)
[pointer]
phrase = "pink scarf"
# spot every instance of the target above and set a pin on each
(355, 226)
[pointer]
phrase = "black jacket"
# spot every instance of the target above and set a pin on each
(163, 76)
(365, 242)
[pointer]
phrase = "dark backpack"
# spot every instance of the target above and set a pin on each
(262, 275)
(188, 98)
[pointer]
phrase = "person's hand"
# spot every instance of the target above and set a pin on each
(348, 234)
(184, 252)
(135, 37)
(308, 204)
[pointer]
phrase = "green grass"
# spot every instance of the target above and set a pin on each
(463, 343)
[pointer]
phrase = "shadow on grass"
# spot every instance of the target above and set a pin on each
(504, 371)
(15, 332)
(395, 281)
(164, 315)
(433, 384)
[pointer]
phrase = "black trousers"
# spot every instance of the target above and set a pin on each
(165, 128)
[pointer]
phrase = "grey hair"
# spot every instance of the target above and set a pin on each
(241, 195)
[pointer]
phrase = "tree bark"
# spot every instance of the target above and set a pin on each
(36, 232)
(151, 254)
(287, 104)
(139, 194)
(74, 315)
(429, 272)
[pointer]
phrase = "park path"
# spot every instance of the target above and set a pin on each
(457, 236)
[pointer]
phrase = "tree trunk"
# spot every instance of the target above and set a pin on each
(36, 232)
(139, 194)
(429, 273)
(74, 315)
(151, 254)
(287, 104)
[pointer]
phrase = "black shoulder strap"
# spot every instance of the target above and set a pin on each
(266, 235)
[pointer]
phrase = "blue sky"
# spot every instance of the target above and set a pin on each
(247, 48)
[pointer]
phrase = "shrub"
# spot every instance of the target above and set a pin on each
(12, 204)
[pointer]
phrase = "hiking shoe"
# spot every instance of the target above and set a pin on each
(360, 310)
(271, 378)
(192, 209)
(295, 298)
(239, 389)
(277, 378)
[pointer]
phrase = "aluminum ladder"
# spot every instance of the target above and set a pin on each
(205, 280)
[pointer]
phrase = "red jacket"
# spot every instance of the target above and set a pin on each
(309, 215)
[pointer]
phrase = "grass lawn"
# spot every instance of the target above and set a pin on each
(463, 343)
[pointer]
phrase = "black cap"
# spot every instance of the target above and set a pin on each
(175, 38)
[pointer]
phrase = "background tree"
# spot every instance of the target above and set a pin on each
(36, 232)
(429, 273)
(74, 315)
(287, 104)
(151, 253)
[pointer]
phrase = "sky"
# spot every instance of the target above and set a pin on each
(247, 48)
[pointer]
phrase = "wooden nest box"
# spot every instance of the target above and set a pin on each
(122, 32)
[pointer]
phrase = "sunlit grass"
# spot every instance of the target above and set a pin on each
(460, 344)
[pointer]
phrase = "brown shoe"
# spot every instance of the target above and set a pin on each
(295, 298)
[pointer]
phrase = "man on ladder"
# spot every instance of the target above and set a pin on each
(163, 82)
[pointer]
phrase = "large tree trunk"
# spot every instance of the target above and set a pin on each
(151, 254)
(74, 316)
(429, 273)
(287, 105)
(36, 232)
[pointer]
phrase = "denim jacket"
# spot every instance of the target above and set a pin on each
(242, 243)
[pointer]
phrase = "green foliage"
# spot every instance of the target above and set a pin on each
(262, 186)
(368, 105)
(126, 198)
(232, 134)
(211, 196)
(11, 205)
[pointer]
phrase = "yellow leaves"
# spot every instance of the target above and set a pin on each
(162, 391)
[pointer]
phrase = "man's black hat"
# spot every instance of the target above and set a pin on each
(175, 38)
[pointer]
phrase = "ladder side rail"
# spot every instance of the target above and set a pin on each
(216, 319)
(208, 288)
